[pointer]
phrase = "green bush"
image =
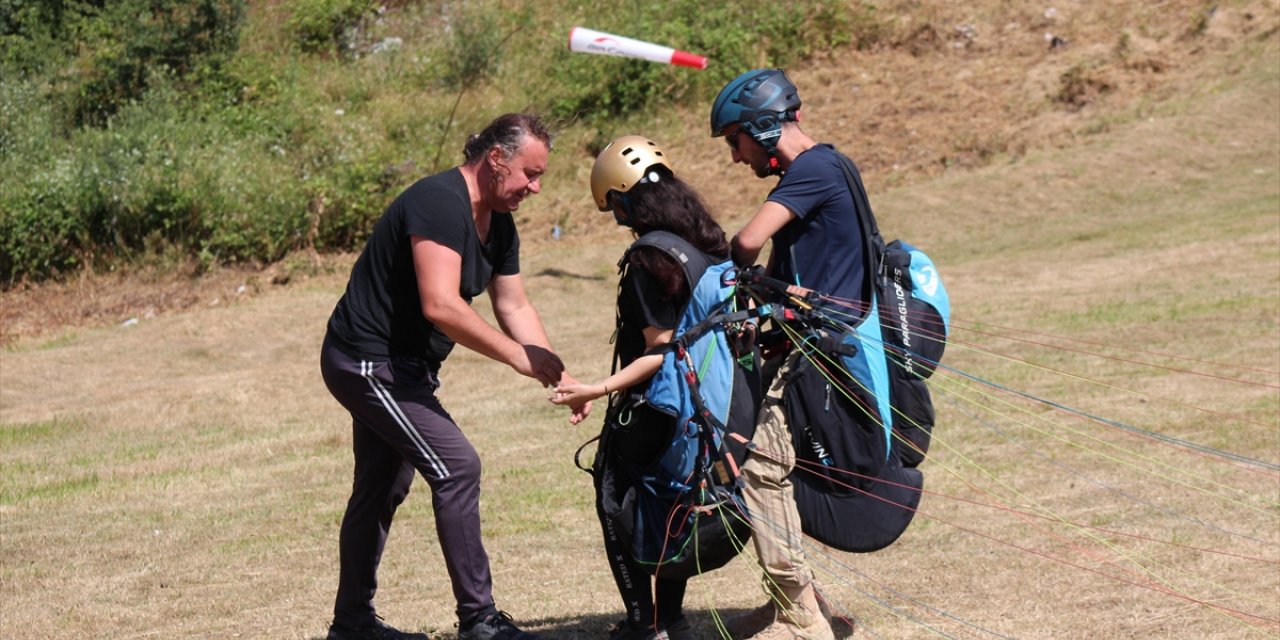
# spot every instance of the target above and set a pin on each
(255, 208)
(161, 172)
(30, 36)
(327, 26)
(41, 230)
(474, 46)
(115, 47)
(134, 128)
(40, 225)
(345, 202)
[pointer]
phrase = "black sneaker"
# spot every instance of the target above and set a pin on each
(624, 631)
(680, 630)
(376, 630)
(495, 626)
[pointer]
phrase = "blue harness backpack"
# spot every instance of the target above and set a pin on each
(859, 409)
(915, 317)
(910, 321)
(683, 511)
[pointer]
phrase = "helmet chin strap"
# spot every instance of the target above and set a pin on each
(770, 148)
(775, 169)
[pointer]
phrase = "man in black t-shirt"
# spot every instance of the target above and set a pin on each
(381, 312)
(444, 240)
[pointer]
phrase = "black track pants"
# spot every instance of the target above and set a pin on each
(399, 428)
(645, 599)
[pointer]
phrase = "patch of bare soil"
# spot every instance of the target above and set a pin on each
(955, 86)
(106, 299)
(947, 87)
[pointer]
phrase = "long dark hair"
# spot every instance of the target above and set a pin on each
(671, 205)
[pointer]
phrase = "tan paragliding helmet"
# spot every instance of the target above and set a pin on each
(626, 162)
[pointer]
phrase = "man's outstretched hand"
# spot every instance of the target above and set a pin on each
(540, 364)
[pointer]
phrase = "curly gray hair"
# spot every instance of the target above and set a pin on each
(506, 132)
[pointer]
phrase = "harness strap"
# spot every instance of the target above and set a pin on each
(577, 456)
(692, 334)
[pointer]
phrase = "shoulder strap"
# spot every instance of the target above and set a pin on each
(695, 264)
(691, 260)
(873, 244)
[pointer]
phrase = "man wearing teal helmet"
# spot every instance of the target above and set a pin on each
(758, 103)
(811, 221)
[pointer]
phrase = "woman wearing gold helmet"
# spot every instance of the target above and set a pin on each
(633, 179)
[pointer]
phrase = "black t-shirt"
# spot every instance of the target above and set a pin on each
(642, 302)
(380, 315)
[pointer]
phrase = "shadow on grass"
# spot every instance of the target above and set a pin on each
(561, 273)
(596, 627)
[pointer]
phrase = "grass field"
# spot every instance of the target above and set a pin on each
(185, 476)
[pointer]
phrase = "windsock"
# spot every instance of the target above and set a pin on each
(584, 40)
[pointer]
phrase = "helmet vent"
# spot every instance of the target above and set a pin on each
(623, 164)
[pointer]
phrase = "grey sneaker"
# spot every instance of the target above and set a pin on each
(376, 630)
(495, 626)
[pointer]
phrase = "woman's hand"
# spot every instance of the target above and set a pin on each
(577, 396)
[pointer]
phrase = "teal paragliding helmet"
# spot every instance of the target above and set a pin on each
(758, 101)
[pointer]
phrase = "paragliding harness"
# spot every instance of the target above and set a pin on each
(857, 404)
(682, 511)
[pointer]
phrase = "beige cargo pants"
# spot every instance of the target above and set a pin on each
(769, 497)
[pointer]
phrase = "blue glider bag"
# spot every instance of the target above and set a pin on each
(915, 316)
(681, 507)
(851, 493)
(673, 534)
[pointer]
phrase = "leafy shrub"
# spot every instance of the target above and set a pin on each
(182, 141)
(164, 173)
(327, 26)
(30, 36)
(117, 46)
(345, 201)
(40, 224)
(476, 38)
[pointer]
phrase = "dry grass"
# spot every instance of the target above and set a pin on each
(185, 476)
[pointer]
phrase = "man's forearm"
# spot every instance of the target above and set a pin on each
(464, 326)
(524, 325)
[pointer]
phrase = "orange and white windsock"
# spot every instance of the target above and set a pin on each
(584, 40)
